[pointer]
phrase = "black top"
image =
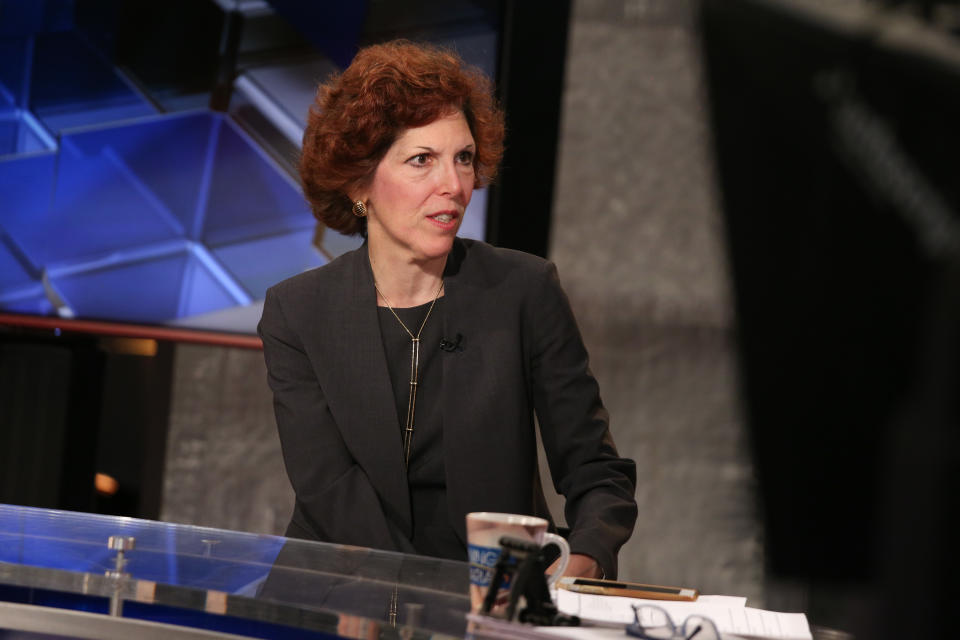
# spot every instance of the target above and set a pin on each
(432, 533)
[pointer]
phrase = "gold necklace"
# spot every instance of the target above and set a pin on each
(414, 368)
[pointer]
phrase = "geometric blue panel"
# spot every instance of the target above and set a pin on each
(258, 264)
(150, 290)
(32, 302)
(150, 220)
(248, 196)
(99, 207)
(26, 184)
(21, 133)
(14, 274)
(20, 288)
(16, 56)
(26, 17)
(179, 176)
(73, 86)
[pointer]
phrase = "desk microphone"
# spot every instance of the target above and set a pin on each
(451, 346)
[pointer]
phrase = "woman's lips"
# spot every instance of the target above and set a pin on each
(445, 219)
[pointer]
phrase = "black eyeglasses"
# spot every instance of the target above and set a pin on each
(654, 623)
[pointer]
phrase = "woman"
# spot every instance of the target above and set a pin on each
(406, 373)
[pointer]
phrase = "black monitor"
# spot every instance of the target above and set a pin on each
(837, 136)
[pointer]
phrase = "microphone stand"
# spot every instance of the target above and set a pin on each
(522, 565)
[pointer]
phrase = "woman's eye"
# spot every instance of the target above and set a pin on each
(420, 159)
(465, 157)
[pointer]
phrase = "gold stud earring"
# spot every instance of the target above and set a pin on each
(359, 209)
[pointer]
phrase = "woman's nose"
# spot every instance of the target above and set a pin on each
(449, 182)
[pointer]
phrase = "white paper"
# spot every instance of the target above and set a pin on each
(728, 613)
(724, 601)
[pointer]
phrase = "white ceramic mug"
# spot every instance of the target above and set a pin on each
(484, 530)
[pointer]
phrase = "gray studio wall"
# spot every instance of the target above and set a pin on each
(636, 237)
(637, 240)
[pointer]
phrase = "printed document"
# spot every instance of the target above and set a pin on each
(730, 614)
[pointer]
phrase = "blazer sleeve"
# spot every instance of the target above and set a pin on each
(597, 483)
(335, 501)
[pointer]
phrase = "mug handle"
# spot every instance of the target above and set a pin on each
(552, 538)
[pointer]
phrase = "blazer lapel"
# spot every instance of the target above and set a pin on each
(361, 395)
(460, 428)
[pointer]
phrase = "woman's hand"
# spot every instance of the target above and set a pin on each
(580, 566)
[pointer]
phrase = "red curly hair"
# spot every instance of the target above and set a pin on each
(358, 114)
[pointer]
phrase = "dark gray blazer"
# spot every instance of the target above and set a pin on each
(520, 351)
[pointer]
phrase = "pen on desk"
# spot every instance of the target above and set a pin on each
(627, 589)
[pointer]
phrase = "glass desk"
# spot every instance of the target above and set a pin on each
(60, 579)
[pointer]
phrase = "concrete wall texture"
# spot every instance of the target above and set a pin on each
(637, 239)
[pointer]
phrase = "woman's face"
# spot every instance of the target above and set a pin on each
(420, 191)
